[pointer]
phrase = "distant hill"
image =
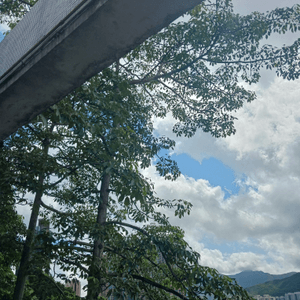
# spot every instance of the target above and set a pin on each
(277, 287)
(251, 278)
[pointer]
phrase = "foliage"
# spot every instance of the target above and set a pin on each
(12, 229)
(111, 144)
(44, 287)
(11, 11)
(156, 262)
(7, 279)
(194, 68)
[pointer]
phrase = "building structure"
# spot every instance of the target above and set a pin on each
(264, 297)
(58, 45)
(43, 226)
(291, 296)
(75, 284)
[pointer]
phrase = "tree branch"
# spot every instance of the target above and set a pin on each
(63, 178)
(53, 281)
(155, 284)
(52, 209)
(35, 132)
(165, 75)
(77, 264)
(113, 250)
(79, 249)
(80, 243)
(128, 225)
(181, 98)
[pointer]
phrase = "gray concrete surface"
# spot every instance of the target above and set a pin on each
(55, 48)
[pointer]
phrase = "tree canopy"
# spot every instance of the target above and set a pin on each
(86, 154)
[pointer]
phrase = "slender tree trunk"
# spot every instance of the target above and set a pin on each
(94, 287)
(27, 250)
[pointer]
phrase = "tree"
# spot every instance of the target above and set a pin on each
(192, 69)
(12, 232)
(99, 157)
(122, 260)
(115, 135)
(12, 229)
(45, 149)
(32, 168)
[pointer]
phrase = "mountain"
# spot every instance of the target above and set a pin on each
(277, 287)
(250, 278)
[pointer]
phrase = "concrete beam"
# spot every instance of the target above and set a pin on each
(85, 41)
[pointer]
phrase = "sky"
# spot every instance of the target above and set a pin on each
(1, 34)
(245, 189)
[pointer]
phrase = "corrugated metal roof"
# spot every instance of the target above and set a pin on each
(36, 24)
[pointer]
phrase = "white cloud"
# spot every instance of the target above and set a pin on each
(234, 263)
(250, 216)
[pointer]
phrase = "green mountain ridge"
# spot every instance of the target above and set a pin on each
(278, 287)
(250, 278)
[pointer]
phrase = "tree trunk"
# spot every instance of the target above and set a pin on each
(24, 263)
(94, 286)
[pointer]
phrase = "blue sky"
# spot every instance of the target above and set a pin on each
(229, 247)
(210, 169)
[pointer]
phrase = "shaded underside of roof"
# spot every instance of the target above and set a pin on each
(60, 44)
